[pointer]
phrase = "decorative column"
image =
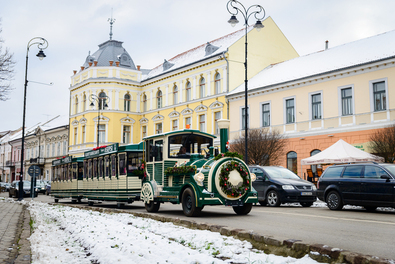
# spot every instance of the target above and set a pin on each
(194, 88)
(138, 99)
(224, 79)
(151, 99)
(180, 88)
(208, 83)
(166, 102)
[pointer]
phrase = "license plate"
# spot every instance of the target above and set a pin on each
(307, 193)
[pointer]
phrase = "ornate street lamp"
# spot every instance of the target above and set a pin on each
(42, 44)
(235, 7)
(101, 101)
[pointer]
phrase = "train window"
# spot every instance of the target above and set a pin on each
(113, 165)
(133, 161)
(106, 166)
(100, 167)
(75, 165)
(80, 174)
(70, 172)
(181, 146)
(90, 169)
(158, 150)
(85, 164)
(150, 145)
(94, 168)
(122, 164)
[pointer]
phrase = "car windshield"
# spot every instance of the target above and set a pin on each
(390, 168)
(280, 173)
(26, 184)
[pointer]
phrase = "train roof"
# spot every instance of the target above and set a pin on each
(182, 131)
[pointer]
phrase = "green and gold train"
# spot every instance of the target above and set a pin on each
(180, 167)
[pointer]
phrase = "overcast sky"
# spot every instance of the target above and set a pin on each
(154, 30)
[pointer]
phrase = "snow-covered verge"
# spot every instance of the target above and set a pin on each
(69, 235)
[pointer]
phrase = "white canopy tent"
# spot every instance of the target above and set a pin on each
(341, 152)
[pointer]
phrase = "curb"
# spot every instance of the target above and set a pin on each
(23, 254)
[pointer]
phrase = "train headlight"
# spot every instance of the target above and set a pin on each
(253, 177)
(199, 178)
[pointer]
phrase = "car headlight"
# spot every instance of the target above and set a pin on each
(314, 188)
(253, 177)
(199, 178)
(36, 189)
(288, 187)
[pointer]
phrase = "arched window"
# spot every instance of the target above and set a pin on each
(188, 92)
(126, 102)
(217, 81)
(292, 161)
(84, 103)
(76, 105)
(102, 100)
(159, 99)
(144, 102)
(175, 94)
(202, 87)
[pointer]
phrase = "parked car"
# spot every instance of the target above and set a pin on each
(14, 189)
(370, 185)
(48, 188)
(277, 185)
(41, 186)
(3, 187)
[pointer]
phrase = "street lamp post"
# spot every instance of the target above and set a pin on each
(42, 44)
(101, 103)
(234, 7)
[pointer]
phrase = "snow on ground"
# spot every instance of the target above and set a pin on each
(69, 235)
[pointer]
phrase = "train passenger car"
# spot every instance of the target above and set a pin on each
(66, 175)
(113, 173)
(181, 168)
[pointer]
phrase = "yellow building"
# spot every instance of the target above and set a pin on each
(344, 92)
(188, 90)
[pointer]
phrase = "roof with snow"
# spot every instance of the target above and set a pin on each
(207, 50)
(348, 55)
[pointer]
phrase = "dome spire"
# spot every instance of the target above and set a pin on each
(112, 21)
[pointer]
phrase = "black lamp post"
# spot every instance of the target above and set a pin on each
(41, 43)
(234, 7)
(101, 104)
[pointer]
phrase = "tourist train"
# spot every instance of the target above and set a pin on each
(179, 167)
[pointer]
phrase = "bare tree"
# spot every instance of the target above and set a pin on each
(383, 143)
(6, 70)
(264, 147)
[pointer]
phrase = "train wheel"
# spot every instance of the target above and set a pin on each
(242, 210)
(189, 203)
(90, 203)
(152, 206)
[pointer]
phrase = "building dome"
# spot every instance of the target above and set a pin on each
(111, 50)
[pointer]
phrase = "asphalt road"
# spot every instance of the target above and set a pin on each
(371, 233)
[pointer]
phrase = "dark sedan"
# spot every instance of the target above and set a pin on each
(277, 185)
(14, 189)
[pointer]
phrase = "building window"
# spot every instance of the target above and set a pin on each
(83, 134)
(188, 122)
(64, 147)
(84, 103)
(126, 134)
(175, 94)
(202, 87)
(53, 147)
(379, 96)
(316, 106)
(102, 133)
(158, 128)
(144, 102)
(75, 136)
(175, 124)
(126, 102)
(292, 162)
(243, 118)
(346, 95)
(47, 152)
(188, 92)
(102, 100)
(217, 81)
(144, 131)
(266, 115)
(58, 148)
(159, 99)
(290, 111)
(202, 123)
(217, 116)
(76, 105)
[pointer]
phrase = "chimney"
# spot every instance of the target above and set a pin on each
(138, 67)
(326, 45)
(117, 63)
(111, 62)
(95, 63)
(75, 72)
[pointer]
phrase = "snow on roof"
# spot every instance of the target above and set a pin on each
(198, 53)
(61, 120)
(347, 55)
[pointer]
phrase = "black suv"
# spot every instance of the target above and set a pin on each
(370, 185)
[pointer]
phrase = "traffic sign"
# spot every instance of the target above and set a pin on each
(34, 171)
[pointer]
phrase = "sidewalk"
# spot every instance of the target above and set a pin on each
(14, 231)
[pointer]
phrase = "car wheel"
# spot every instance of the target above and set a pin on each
(334, 201)
(370, 208)
(152, 206)
(272, 199)
(189, 203)
(306, 204)
(242, 210)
